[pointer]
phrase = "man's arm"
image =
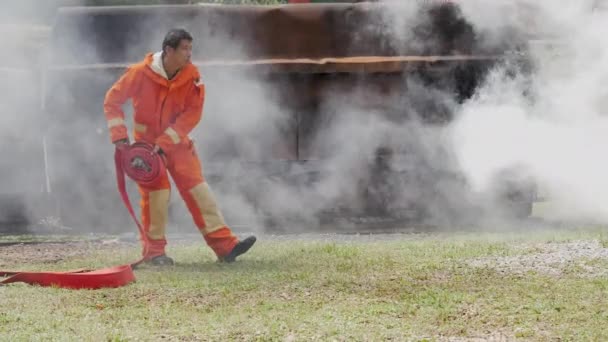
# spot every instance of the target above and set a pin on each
(185, 121)
(116, 96)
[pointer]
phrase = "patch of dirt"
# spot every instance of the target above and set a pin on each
(23, 253)
(553, 259)
(494, 337)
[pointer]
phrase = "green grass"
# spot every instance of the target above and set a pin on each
(413, 288)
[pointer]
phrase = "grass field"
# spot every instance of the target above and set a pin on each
(528, 285)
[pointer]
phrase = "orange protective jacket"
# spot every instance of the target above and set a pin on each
(165, 111)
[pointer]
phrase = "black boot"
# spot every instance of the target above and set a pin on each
(240, 248)
(161, 260)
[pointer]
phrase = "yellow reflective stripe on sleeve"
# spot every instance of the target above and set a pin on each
(173, 135)
(115, 122)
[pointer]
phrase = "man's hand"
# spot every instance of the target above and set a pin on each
(157, 149)
(160, 152)
(121, 143)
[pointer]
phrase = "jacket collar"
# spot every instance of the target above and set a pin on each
(157, 64)
(155, 71)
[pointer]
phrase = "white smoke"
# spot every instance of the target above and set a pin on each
(553, 124)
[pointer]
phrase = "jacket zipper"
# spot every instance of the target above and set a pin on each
(162, 109)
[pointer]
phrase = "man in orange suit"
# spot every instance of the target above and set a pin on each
(168, 97)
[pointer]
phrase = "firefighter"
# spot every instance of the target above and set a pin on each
(168, 96)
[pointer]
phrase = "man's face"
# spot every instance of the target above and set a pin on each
(180, 56)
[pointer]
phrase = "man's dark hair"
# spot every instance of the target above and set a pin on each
(174, 37)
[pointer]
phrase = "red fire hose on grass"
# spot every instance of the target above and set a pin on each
(141, 164)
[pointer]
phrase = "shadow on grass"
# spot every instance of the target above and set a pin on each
(219, 267)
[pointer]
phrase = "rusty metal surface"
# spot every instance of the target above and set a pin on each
(366, 64)
(302, 34)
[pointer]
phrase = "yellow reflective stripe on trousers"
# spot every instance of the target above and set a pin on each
(173, 135)
(115, 122)
(159, 207)
(205, 201)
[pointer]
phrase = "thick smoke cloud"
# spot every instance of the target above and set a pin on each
(553, 123)
(428, 154)
(24, 28)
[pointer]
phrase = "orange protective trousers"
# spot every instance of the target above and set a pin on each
(184, 167)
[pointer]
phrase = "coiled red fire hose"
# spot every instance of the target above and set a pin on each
(140, 163)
